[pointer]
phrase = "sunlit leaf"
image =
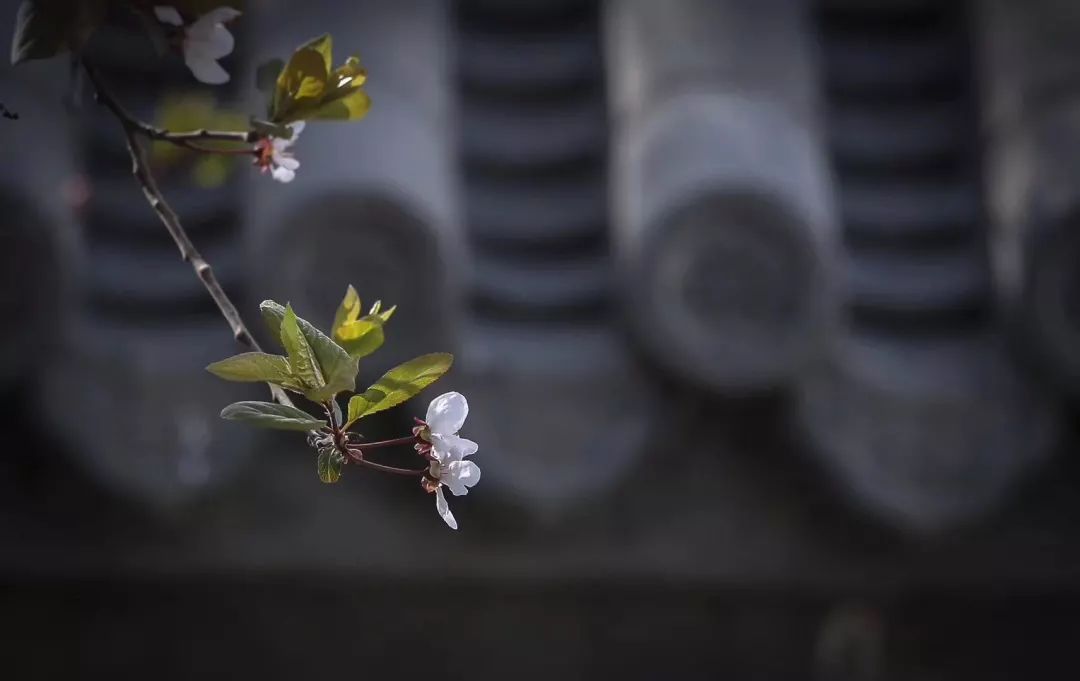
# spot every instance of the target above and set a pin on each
(348, 311)
(399, 384)
(254, 367)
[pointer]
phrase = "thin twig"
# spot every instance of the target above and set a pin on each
(133, 128)
(357, 456)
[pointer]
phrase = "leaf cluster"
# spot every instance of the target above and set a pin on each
(321, 367)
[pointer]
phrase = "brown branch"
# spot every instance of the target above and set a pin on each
(133, 128)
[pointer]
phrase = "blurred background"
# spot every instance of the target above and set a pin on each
(768, 314)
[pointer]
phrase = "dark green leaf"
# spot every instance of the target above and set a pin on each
(337, 366)
(271, 415)
(330, 463)
(400, 384)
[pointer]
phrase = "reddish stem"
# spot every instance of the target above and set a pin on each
(357, 455)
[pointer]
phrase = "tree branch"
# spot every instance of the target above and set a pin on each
(141, 170)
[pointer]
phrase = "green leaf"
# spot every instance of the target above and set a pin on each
(348, 310)
(271, 415)
(252, 367)
(307, 88)
(330, 463)
(273, 313)
(360, 336)
(337, 366)
(400, 384)
(302, 359)
(302, 83)
(267, 74)
(344, 99)
(351, 106)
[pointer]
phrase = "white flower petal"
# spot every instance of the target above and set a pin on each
(444, 509)
(286, 161)
(206, 69)
(213, 41)
(449, 448)
(446, 414)
(219, 15)
(460, 475)
(168, 15)
(283, 174)
(297, 128)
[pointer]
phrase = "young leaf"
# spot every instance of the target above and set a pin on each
(348, 310)
(399, 384)
(307, 88)
(360, 336)
(344, 100)
(271, 415)
(329, 464)
(302, 359)
(338, 367)
(254, 367)
(303, 81)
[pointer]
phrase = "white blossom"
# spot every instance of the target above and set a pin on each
(273, 154)
(445, 416)
(205, 41)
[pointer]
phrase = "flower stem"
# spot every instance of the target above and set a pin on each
(387, 443)
(357, 455)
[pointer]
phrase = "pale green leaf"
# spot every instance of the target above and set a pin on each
(361, 337)
(400, 384)
(348, 310)
(271, 415)
(253, 367)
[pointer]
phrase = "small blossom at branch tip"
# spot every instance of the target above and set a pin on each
(272, 155)
(448, 468)
(204, 41)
